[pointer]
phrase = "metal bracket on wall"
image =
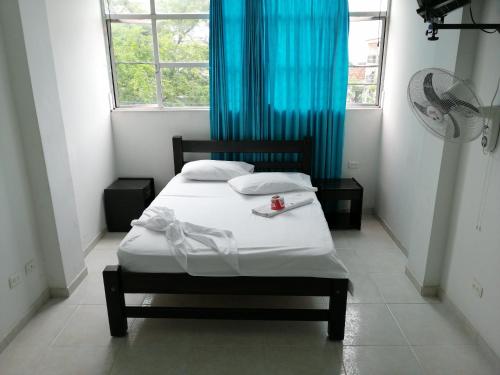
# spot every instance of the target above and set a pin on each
(435, 27)
(490, 134)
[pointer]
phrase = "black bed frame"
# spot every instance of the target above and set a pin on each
(117, 281)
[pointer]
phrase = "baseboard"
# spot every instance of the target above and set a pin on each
(66, 292)
(77, 280)
(391, 234)
(424, 291)
(33, 309)
(481, 342)
(94, 242)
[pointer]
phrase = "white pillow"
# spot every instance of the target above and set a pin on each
(271, 183)
(215, 170)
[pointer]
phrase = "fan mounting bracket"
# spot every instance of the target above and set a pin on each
(435, 26)
(491, 131)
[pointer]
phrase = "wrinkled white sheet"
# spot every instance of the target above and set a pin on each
(162, 219)
(295, 243)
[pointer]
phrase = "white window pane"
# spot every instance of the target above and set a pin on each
(185, 87)
(136, 84)
(132, 41)
(183, 40)
(364, 42)
(126, 6)
(369, 5)
(182, 6)
(362, 94)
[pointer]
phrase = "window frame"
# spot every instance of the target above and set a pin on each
(158, 65)
(108, 19)
(380, 65)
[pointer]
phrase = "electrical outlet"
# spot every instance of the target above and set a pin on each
(477, 287)
(352, 164)
(29, 267)
(14, 280)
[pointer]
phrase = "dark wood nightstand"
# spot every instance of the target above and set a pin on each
(331, 192)
(125, 200)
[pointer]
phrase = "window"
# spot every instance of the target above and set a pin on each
(159, 52)
(366, 48)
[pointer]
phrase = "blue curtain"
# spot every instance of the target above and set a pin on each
(278, 71)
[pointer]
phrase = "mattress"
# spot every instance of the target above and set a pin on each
(295, 243)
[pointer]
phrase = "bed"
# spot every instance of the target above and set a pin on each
(289, 255)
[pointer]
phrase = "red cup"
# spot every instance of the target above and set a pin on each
(277, 203)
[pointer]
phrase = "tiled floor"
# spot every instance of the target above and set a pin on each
(390, 329)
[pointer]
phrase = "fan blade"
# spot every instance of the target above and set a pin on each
(431, 95)
(461, 103)
(456, 128)
(421, 108)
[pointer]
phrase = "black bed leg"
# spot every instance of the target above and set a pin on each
(337, 309)
(115, 301)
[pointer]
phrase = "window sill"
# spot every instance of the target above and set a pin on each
(207, 109)
(363, 107)
(159, 109)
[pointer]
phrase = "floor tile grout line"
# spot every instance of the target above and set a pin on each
(115, 356)
(418, 359)
(377, 345)
(445, 345)
(407, 339)
(378, 290)
(413, 303)
(66, 323)
(51, 346)
(398, 324)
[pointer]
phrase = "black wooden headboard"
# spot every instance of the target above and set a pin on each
(303, 148)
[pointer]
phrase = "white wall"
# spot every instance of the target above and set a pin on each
(46, 99)
(417, 170)
(33, 151)
(56, 153)
(143, 140)
(77, 38)
(472, 253)
(418, 175)
(404, 141)
(362, 144)
(143, 143)
(19, 241)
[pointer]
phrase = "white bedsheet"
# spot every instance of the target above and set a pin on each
(162, 219)
(295, 243)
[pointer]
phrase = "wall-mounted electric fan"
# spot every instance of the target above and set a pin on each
(448, 107)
